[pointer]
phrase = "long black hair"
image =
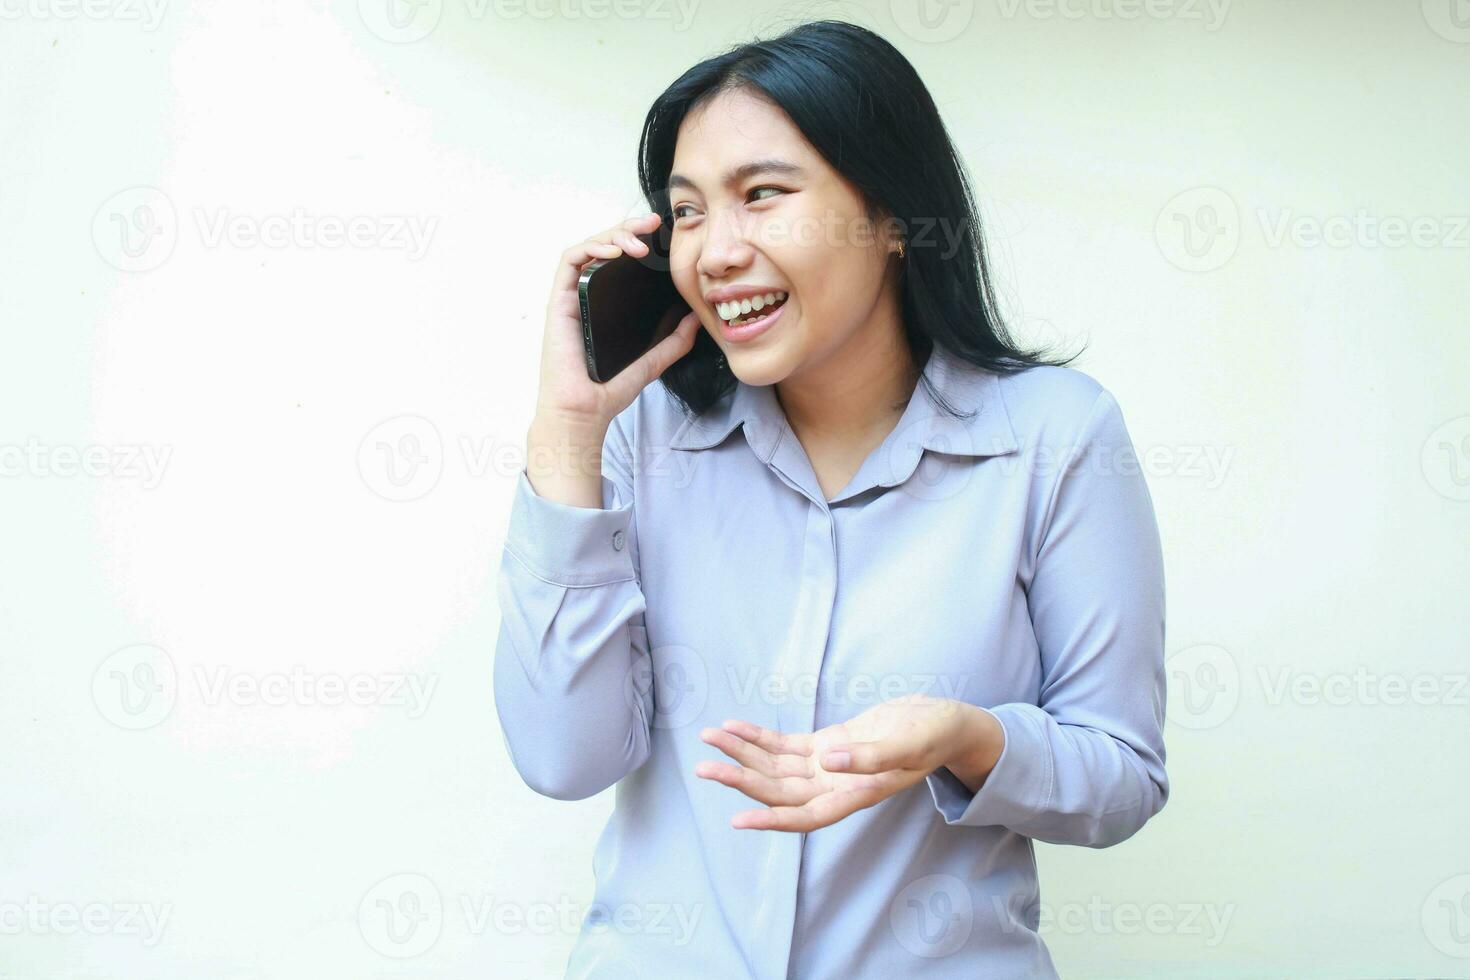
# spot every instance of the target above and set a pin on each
(861, 104)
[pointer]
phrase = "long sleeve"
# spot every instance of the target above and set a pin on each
(571, 661)
(1086, 765)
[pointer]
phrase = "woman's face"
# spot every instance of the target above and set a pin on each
(799, 228)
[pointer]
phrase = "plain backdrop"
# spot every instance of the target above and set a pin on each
(272, 281)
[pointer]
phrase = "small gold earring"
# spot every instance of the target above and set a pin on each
(900, 249)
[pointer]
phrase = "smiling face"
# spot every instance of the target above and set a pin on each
(795, 226)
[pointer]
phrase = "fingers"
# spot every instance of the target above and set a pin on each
(757, 758)
(606, 245)
(776, 769)
(784, 791)
(822, 811)
(629, 242)
(771, 741)
(643, 223)
(827, 808)
(569, 268)
(625, 234)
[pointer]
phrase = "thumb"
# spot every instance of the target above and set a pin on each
(672, 347)
(903, 751)
(654, 361)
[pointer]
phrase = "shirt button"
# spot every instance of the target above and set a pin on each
(618, 538)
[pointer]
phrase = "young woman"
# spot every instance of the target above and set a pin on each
(865, 578)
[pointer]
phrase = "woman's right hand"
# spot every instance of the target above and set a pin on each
(568, 399)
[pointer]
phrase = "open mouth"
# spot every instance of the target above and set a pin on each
(751, 309)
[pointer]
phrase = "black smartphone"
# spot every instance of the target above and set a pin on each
(628, 304)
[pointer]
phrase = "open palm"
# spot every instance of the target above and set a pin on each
(890, 747)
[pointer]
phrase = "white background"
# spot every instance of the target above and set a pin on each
(300, 457)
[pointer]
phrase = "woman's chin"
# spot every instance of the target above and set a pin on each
(759, 367)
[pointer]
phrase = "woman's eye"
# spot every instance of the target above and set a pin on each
(677, 212)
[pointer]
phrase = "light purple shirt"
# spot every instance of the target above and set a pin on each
(1011, 560)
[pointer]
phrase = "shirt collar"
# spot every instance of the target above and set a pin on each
(924, 425)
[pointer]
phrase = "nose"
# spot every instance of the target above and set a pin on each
(726, 248)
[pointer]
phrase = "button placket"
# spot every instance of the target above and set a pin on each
(802, 657)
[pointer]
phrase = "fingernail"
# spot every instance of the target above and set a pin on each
(838, 760)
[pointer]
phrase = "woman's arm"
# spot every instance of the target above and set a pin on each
(1086, 765)
(572, 666)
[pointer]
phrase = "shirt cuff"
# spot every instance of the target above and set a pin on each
(575, 547)
(1017, 788)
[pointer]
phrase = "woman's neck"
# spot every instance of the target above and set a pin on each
(858, 393)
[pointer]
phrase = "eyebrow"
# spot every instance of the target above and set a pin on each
(737, 174)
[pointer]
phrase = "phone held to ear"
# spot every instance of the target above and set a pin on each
(628, 305)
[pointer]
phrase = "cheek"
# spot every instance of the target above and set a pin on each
(803, 269)
(685, 275)
(844, 280)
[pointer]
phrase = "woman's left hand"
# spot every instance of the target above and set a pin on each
(814, 780)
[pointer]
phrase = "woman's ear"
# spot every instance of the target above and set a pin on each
(889, 232)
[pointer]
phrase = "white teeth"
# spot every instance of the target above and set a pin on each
(735, 308)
